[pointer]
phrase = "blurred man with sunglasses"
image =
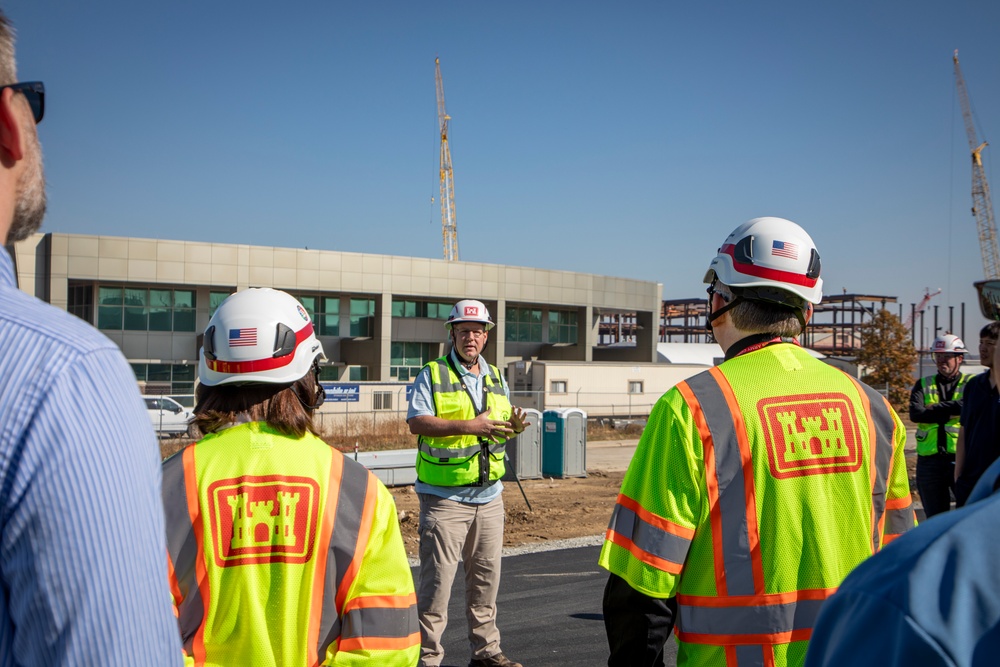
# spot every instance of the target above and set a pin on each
(82, 544)
(935, 407)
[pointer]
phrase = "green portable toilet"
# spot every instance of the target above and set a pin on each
(524, 451)
(564, 442)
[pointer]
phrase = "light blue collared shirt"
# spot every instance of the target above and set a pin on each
(422, 403)
(82, 544)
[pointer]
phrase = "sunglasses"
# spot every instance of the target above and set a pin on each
(34, 92)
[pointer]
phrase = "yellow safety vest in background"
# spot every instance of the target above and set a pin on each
(756, 487)
(284, 553)
(927, 434)
(462, 460)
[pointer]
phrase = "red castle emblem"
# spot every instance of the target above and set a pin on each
(810, 434)
(270, 519)
(472, 311)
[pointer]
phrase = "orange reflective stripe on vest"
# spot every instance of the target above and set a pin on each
(649, 538)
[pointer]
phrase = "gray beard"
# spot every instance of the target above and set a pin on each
(29, 209)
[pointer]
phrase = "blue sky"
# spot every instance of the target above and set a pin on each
(623, 138)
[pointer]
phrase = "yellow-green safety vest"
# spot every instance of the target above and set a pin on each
(462, 460)
(927, 434)
(756, 487)
(282, 552)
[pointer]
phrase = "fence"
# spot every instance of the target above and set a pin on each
(372, 406)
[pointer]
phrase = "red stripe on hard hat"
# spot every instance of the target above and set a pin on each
(257, 365)
(765, 273)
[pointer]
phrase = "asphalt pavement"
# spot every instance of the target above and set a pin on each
(548, 611)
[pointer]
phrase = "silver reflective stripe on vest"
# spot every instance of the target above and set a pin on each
(343, 543)
(765, 619)
(459, 452)
(445, 386)
(898, 522)
(182, 548)
(448, 452)
(380, 622)
(648, 537)
(732, 490)
(881, 450)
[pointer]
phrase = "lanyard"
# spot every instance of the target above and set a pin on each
(461, 380)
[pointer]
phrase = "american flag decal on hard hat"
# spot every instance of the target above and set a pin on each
(785, 249)
(243, 337)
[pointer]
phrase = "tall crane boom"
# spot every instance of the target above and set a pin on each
(449, 222)
(982, 204)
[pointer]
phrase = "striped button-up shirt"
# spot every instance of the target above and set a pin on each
(82, 545)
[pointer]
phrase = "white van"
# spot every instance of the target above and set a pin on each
(169, 417)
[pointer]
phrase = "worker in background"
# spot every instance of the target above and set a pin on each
(935, 406)
(81, 524)
(977, 446)
(756, 485)
(283, 553)
(461, 412)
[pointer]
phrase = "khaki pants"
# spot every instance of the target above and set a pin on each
(451, 532)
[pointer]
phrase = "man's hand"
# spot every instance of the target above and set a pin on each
(517, 420)
(490, 429)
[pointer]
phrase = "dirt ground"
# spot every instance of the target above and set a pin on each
(561, 508)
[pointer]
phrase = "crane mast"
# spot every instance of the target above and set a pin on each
(982, 204)
(449, 223)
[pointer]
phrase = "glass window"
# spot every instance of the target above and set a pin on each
(524, 325)
(324, 311)
(141, 309)
(80, 300)
(558, 386)
(357, 373)
(329, 373)
(362, 318)
(406, 359)
(184, 310)
(215, 299)
(635, 386)
(160, 303)
(329, 318)
(562, 326)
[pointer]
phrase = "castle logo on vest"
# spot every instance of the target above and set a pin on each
(270, 519)
(810, 434)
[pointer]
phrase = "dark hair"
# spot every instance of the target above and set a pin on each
(991, 331)
(282, 406)
(754, 317)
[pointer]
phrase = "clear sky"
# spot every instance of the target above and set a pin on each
(618, 138)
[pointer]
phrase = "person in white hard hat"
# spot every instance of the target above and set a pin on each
(461, 412)
(935, 407)
(756, 485)
(281, 550)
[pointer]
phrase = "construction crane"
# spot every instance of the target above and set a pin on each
(449, 223)
(921, 307)
(982, 204)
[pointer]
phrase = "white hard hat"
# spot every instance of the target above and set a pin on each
(948, 343)
(258, 335)
(770, 259)
(470, 310)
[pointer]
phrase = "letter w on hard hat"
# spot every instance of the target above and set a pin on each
(771, 260)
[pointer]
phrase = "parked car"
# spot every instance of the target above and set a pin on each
(169, 417)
